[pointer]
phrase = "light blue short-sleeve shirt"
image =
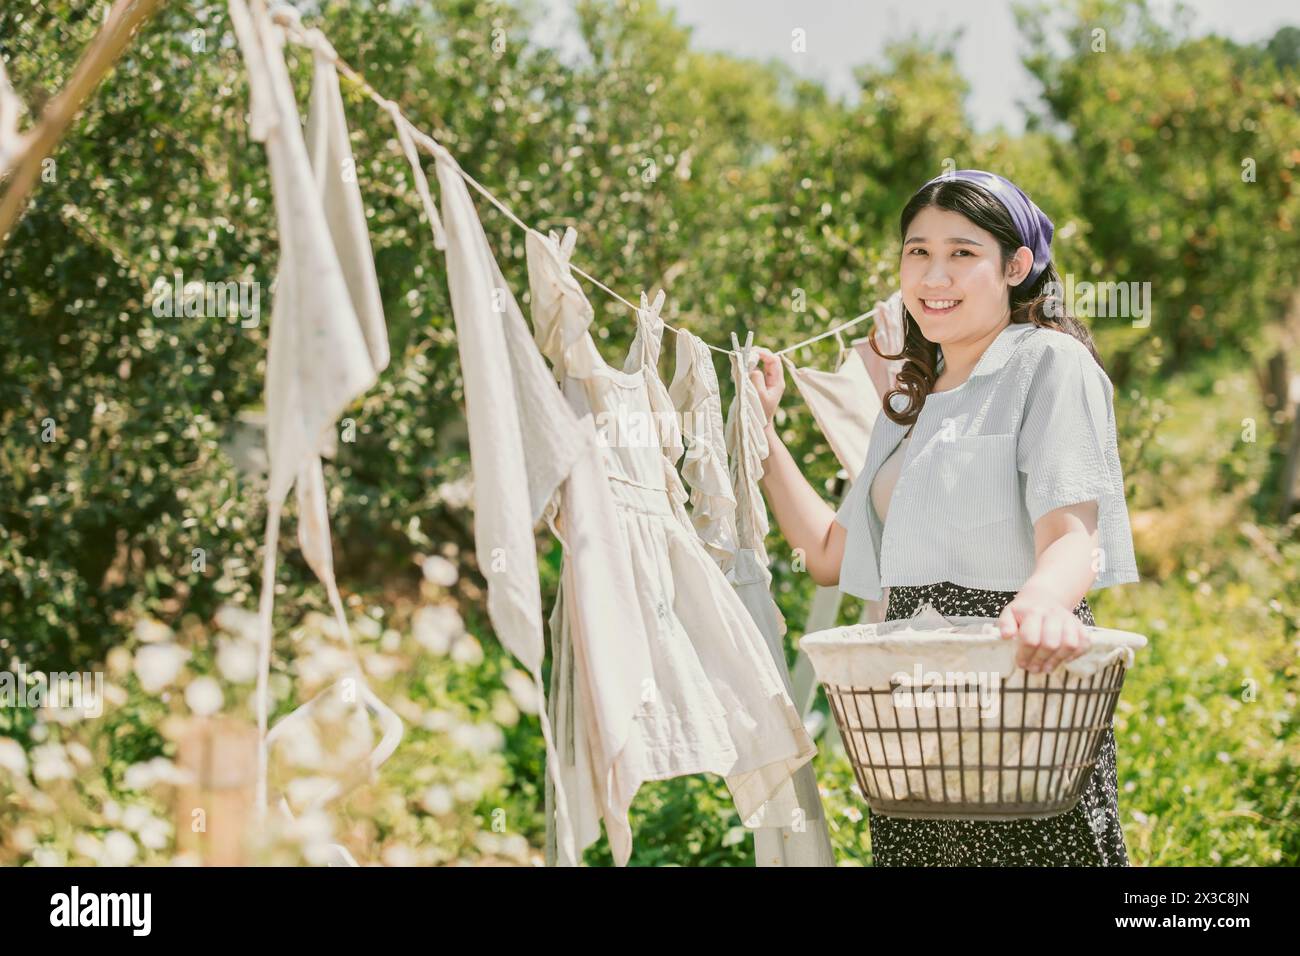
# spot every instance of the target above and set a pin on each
(1031, 429)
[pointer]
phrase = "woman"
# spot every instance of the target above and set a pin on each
(992, 486)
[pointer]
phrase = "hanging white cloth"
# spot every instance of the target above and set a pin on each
(601, 657)
(696, 396)
(328, 341)
(406, 139)
(524, 441)
(789, 829)
(844, 404)
(890, 332)
(716, 703)
(600, 667)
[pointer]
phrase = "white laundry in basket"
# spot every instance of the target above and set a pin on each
(927, 701)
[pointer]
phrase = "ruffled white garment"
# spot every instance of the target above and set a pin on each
(716, 702)
(695, 395)
(790, 829)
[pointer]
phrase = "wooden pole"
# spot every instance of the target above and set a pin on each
(213, 812)
(1291, 470)
(120, 24)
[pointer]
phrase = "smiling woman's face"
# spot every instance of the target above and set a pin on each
(952, 278)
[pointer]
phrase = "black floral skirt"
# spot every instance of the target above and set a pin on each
(1088, 835)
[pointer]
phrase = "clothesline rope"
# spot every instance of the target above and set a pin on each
(289, 18)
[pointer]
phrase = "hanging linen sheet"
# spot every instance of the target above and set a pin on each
(328, 341)
(524, 441)
(844, 404)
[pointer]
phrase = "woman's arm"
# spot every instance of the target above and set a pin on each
(1042, 613)
(806, 521)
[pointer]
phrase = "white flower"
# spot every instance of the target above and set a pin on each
(300, 743)
(323, 664)
(157, 665)
(439, 721)
(88, 845)
(12, 757)
(142, 776)
(515, 846)
(50, 762)
(398, 854)
(119, 849)
(79, 753)
(438, 570)
(467, 790)
(478, 738)
(437, 800)
(318, 623)
(23, 838)
(456, 494)
(368, 628)
(435, 627)
(522, 689)
(118, 662)
(504, 711)
(155, 834)
(49, 856)
(383, 666)
(150, 631)
(204, 697)
(135, 816)
(239, 621)
(112, 811)
(467, 650)
(237, 660)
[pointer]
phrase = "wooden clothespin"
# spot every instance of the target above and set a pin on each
(743, 352)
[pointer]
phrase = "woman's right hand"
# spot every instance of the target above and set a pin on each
(769, 380)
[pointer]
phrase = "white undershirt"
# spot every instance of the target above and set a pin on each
(882, 487)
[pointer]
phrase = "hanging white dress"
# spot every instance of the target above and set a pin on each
(790, 830)
(716, 702)
(695, 394)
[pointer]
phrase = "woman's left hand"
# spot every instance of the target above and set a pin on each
(1049, 632)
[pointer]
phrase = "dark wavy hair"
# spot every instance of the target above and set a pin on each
(1029, 303)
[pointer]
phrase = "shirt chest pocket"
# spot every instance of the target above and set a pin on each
(977, 479)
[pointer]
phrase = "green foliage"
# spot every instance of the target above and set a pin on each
(1183, 154)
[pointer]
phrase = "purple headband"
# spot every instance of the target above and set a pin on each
(1031, 222)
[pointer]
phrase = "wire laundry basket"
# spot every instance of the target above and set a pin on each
(940, 723)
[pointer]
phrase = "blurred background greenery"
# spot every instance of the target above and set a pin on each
(759, 202)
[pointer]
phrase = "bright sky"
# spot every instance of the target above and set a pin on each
(842, 35)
